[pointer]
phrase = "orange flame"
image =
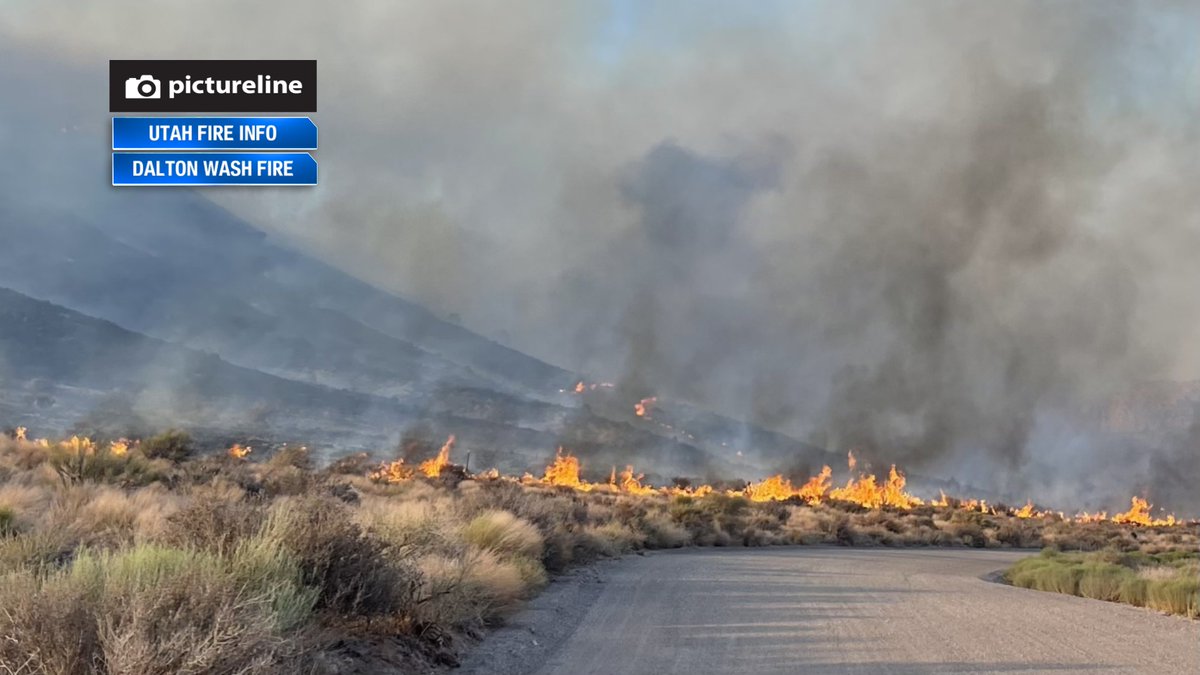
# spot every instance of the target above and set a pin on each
(238, 451)
(79, 445)
(19, 433)
(643, 406)
(633, 484)
(1139, 514)
(392, 472)
(866, 492)
(119, 448)
(564, 471)
(778, 488)
(1026, 511)
(433, 467)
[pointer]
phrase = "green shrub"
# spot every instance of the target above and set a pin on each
(173, 445)
(1103, 581)
(8, 521)
(1138, 579)
(1133, 591)
(264, 567)
(1176, 596)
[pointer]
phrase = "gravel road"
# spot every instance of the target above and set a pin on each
(826, 610)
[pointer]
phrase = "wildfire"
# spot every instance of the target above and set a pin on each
(1026, 511)
(119, 448)
(564, 471)
(942, 501)
(779, 488)
(643, 406)
(433, 467)
(79, 445)
(392, 472)
(865, 491)
(581, 387)
(239, 451)
(1139, 514)
(633, 483)
(19, 433)
(1097, 517)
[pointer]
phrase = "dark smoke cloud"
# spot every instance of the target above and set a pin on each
(940, 232)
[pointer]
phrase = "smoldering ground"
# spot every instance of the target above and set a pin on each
(941, 233)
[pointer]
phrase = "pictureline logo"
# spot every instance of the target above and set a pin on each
(213, 86)
(147, 86)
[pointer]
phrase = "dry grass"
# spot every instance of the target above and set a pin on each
(158, 561)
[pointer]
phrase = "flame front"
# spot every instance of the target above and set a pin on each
(633, 483)
(239, 451)
(1139, 514)
(778, 488)
(392, 472)
(433, 467)
(564, 471)
(865, 491)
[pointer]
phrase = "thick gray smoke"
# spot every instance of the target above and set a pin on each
(945, 233)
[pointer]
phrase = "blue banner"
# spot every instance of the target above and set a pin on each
(213, 133)
(213, 168)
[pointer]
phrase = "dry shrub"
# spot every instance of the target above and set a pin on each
(409, 526)
(35, 550)
(357, 464)
(465, 590)
(662, 532)
(101, 515)
(610, 539)
(215, 519)
(147, 609)
(294, 456)
(25, 503)
(505, 535)
(165, 610)
(969, 533)
(46, 627)
(349, 568)
(283, 480)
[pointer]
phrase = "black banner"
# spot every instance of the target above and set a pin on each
(212, 86)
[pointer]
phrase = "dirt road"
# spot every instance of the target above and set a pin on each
(826, 610)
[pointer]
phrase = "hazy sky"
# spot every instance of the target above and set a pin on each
(923, 224)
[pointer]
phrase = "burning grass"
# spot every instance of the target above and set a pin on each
(103, 545)
(1167, 582)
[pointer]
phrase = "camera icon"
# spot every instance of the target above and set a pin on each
(143, 87)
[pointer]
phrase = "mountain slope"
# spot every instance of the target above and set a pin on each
(58, 367)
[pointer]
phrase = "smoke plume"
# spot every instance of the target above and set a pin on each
(943, 233)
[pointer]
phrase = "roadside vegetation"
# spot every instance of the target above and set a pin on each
(1168, 582)
(149, 558)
